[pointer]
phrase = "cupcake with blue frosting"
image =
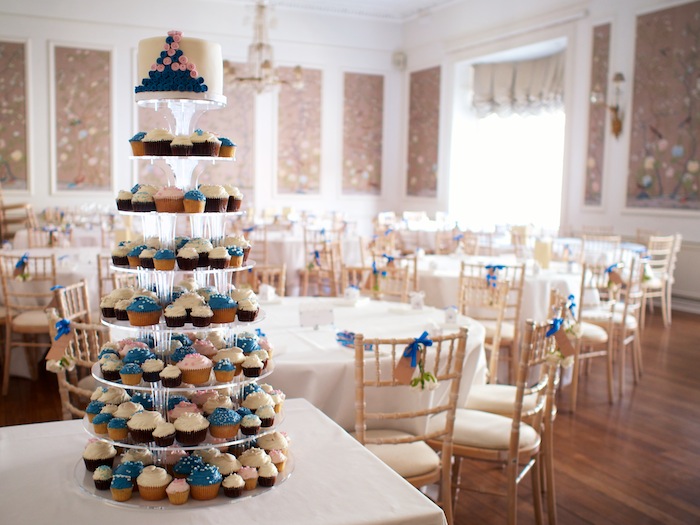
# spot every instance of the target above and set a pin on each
(224, 423)
(204, 482)
(143, 311)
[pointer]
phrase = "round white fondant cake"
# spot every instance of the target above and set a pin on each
(178, 67)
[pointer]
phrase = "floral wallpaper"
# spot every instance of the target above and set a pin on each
(83, 119)
(423, 129)
(13, 125)
(363, 111)
(664, 166)
(236, 121)
(597, 112)
(299, 134)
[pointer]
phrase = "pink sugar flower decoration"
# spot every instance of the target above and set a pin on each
(174, 45)
(194, 73)
(175, 66)
(167, 61)
(166, 47)
(183, 59)
(191, 66)
(160, 67)
(171, 52)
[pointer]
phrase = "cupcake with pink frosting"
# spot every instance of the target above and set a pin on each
(178, 491)
(169, 199)
(250, 477)
(195, 368)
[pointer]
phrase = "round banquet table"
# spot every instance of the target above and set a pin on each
(310, 363)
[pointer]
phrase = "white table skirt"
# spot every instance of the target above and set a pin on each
(438, 278)
(311, 364)
(335, 481)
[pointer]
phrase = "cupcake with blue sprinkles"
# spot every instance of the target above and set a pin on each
(131, 374)
(204, 482)
(121, 488)
(117, 429)
(224, 370)
(223, 307)
(184, 466)
(164, 260)
(194, 201)
(138, 148)
(143, 311)
(99, 422)
(224, 423)
(93, 408)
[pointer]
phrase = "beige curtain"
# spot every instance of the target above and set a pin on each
(526, 87)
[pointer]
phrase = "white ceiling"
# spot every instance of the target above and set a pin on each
(390, 10)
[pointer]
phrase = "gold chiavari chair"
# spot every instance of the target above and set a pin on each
(27, 283)
(399, 436)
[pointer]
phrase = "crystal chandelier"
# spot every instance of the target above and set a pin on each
(260, 72)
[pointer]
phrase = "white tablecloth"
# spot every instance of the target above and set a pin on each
(80, 238)
(311, 364)
(438, 278)
(333, 475)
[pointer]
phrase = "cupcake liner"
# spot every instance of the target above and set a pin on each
(120, 260)
(251, 483)
(175, 322)
(197, 376)
(267, 482)
(181, 150)
(164, 441)
(100, 428)
(143, 206)
(223, 431)
(138, 148)
(152, 493)
(121, 494)
(164, 264)
(171, 205)
(233, 204)
(204, 492)
(206, 149)
(121, 315)
(224, 315)
(147, 262)
(144, 318)
(227, 151)
(117, 434)
(247, 316)
(142, 435)
(187, 264)
(201, 322)
(192, 206)
(233, 492)
(190, 438)
(218, 264)
(171, 382)
(216, 205)
(124, 205)
(108, 312)
(224, 376)
(134, 261)
(102, 484)
(179, 498)
(158, 148)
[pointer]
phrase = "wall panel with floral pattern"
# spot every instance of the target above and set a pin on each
(13, 124)
(597, 115)
(423, 131)
(664, 164)
(236, 122)
(363, 112)
(299, 134)
(82, 117)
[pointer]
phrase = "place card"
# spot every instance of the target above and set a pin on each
(315, 314)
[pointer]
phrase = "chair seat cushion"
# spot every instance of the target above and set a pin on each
(653, 284)
(497, 399)
(593, 333)
(475, 428)
(407, 459)
(600, 317)
(507, 329)
(31, 322)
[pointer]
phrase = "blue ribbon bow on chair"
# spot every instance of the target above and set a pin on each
(259, 332)
(412, 349)
(375, 271)
(612, 267)
(22, 261)
(388, 231)
(249, 229)
(389, 258)
(62, 328)
(492, 276)
(317, 258)
(458, 237)
(570, 304)
(556, 325)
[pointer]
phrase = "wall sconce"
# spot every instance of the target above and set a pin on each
(616, 114)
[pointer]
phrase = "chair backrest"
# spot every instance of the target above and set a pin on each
(485, 299)
(388, 283)
(674, 257)
(603, 249)
(447, 241)
(72, 302)
(125, 280)
(272, 275)
(257, 235)
(382, 241)
(632, 294)
(49, 237)
(596, 288)
(84, 346)
(27, 281)
(514, 274)
(520, 239)
(376, 382)
(589, 229)
(659, 254)
(15, 216)
(105, 282)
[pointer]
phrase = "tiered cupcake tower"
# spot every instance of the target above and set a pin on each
(163, 226)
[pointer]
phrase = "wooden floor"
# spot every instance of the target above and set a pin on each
(634, 462)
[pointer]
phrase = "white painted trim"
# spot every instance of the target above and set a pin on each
(52, 45)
